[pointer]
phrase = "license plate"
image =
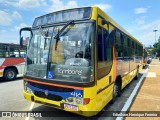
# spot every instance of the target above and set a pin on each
(70, 107)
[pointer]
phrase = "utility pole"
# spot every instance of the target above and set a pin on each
(155, 34)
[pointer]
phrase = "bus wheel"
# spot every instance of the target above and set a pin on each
(113, 98)
(10, 74)
(117, 90)
(137, 75)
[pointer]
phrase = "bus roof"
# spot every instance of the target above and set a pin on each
(117, 25)
(105, 15)
(81, 13)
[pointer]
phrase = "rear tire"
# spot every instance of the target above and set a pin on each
(10, 74)
(149, 61)
(137, 75)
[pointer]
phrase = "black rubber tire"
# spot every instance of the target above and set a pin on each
(137, 75)
(117, 90)
(149, 61)
(10, 74)
(113, 98)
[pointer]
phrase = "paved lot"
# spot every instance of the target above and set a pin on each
(11, 97)
(148, 97)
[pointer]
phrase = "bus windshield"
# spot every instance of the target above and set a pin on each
(69, 58)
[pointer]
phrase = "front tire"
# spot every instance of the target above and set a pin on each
(10, 74)
(117, 90)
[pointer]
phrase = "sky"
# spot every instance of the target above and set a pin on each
(138, 17)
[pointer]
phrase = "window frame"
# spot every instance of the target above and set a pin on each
(106, 61)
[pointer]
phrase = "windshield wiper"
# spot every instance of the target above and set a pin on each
(60, 31)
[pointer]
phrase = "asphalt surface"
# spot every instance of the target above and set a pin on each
(11, 99)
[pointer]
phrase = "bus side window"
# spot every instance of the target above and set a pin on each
(1, 51)
(100, 44)
(119, 45)
(104, 51)
(12, 55)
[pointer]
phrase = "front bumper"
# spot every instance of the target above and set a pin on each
(84, 110)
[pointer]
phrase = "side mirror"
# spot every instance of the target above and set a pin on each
(21, 41)
(104, 22)
(111, 38)
(26, 40)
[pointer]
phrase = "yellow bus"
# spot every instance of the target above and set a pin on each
(79, 60)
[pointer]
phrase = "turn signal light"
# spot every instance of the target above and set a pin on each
(86, 101)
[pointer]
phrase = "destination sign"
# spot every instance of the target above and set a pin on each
(62, 16)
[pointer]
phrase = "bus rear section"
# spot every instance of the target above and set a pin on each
(12, 60)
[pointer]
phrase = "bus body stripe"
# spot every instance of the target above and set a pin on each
(1, 73)
(114, 63)
(64, 86)
(99, 91)
(11, 62)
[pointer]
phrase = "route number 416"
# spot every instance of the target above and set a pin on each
(75, 94)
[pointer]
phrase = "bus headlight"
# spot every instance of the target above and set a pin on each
(69, 99)
(79, 100)
(27, 89)
(74, 100)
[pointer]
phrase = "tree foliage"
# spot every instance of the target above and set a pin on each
(156, 49)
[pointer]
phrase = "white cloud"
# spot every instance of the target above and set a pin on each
(142, 25)
(104, 6)
(3, 20)
(59, 5)
(30, 3)
(24, 3)
(17, 28)
(3, 31)
(16, 16)
(148, 37)
(140, 20)
(140, 10)
(151, 26)
(6, 18)
(71, 4)
(144, 31)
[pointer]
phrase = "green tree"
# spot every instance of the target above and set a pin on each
(156, 48)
